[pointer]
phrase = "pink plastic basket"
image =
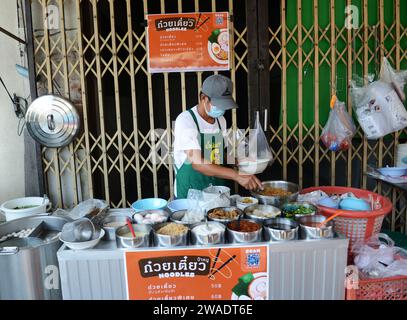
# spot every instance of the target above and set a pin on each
(355, 225)
(394, 288)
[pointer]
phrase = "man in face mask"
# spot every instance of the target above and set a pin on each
(199, 141)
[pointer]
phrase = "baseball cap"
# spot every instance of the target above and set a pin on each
(219, 88)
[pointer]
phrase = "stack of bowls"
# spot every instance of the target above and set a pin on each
(178, 205)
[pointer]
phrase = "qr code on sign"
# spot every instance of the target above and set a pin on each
(253, 260)
(219, 20)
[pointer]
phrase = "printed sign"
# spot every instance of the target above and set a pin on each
(216, 273)
(188, 42)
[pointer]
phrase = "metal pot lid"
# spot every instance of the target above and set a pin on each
(52, 121)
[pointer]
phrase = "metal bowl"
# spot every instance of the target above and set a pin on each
(278, 201)
(243, 237)
(161, 240)
(214, 237)
(130, 242)
(273, 212)
(292, 206)
(145, 213)
(312, 232)
(110, 232)
(281, 229)
(225, 221)
(177, 218)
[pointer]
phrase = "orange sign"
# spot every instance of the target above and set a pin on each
(182, 42)
(216, 273)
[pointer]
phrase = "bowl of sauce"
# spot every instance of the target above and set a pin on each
(281, 229)
(244, 231)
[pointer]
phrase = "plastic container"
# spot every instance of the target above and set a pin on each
(394, 288)
(149, 204)
(394, 172)
(355, 225)
(178, 205)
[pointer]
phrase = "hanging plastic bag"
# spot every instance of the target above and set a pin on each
(257, 151)
(340, 129)
(379, 105)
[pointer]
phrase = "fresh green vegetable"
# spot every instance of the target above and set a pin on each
(214, 36)
(291, 211)
(247, 278)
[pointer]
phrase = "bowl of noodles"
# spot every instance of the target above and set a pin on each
(218, 46)
(277, 193)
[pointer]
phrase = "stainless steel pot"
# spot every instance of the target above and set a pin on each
(124, 241)
(281, 229)
(29, 267)
(201, 235)
(272, 212)
(161, 240)
(278, 201)
(110, 231)
(310, 231)
(225, 221)
(243, 237)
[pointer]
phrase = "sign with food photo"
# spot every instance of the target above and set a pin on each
(215, 273)
(183, 42)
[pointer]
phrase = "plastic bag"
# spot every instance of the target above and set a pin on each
(379, 105)
(255, 154)
(340, 129)
(379, 258)
(93, 209)
(195, 212)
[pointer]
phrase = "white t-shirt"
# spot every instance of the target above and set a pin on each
(186, 134)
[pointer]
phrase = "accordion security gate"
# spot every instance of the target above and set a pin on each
(96, 56)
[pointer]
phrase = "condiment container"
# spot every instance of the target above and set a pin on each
(235, 236)
(281, 229)
(142, 239)
(110, 232)
(226, 220)
(241, 204)
(310, 230)
(272, 212)
(161, 240)
(208, 233)
(289, 208)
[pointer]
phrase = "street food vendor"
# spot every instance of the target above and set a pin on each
(200, 141)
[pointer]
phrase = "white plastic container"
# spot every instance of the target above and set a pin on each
(39, 205)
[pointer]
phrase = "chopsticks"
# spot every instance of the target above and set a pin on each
(216, 258)
(222, 266)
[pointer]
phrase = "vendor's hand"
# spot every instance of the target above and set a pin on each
(250, 182)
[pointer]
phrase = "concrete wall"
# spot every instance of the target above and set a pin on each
(11, 145)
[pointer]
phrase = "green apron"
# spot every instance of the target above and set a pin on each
(212, 146)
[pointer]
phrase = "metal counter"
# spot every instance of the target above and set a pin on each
(298, 270)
